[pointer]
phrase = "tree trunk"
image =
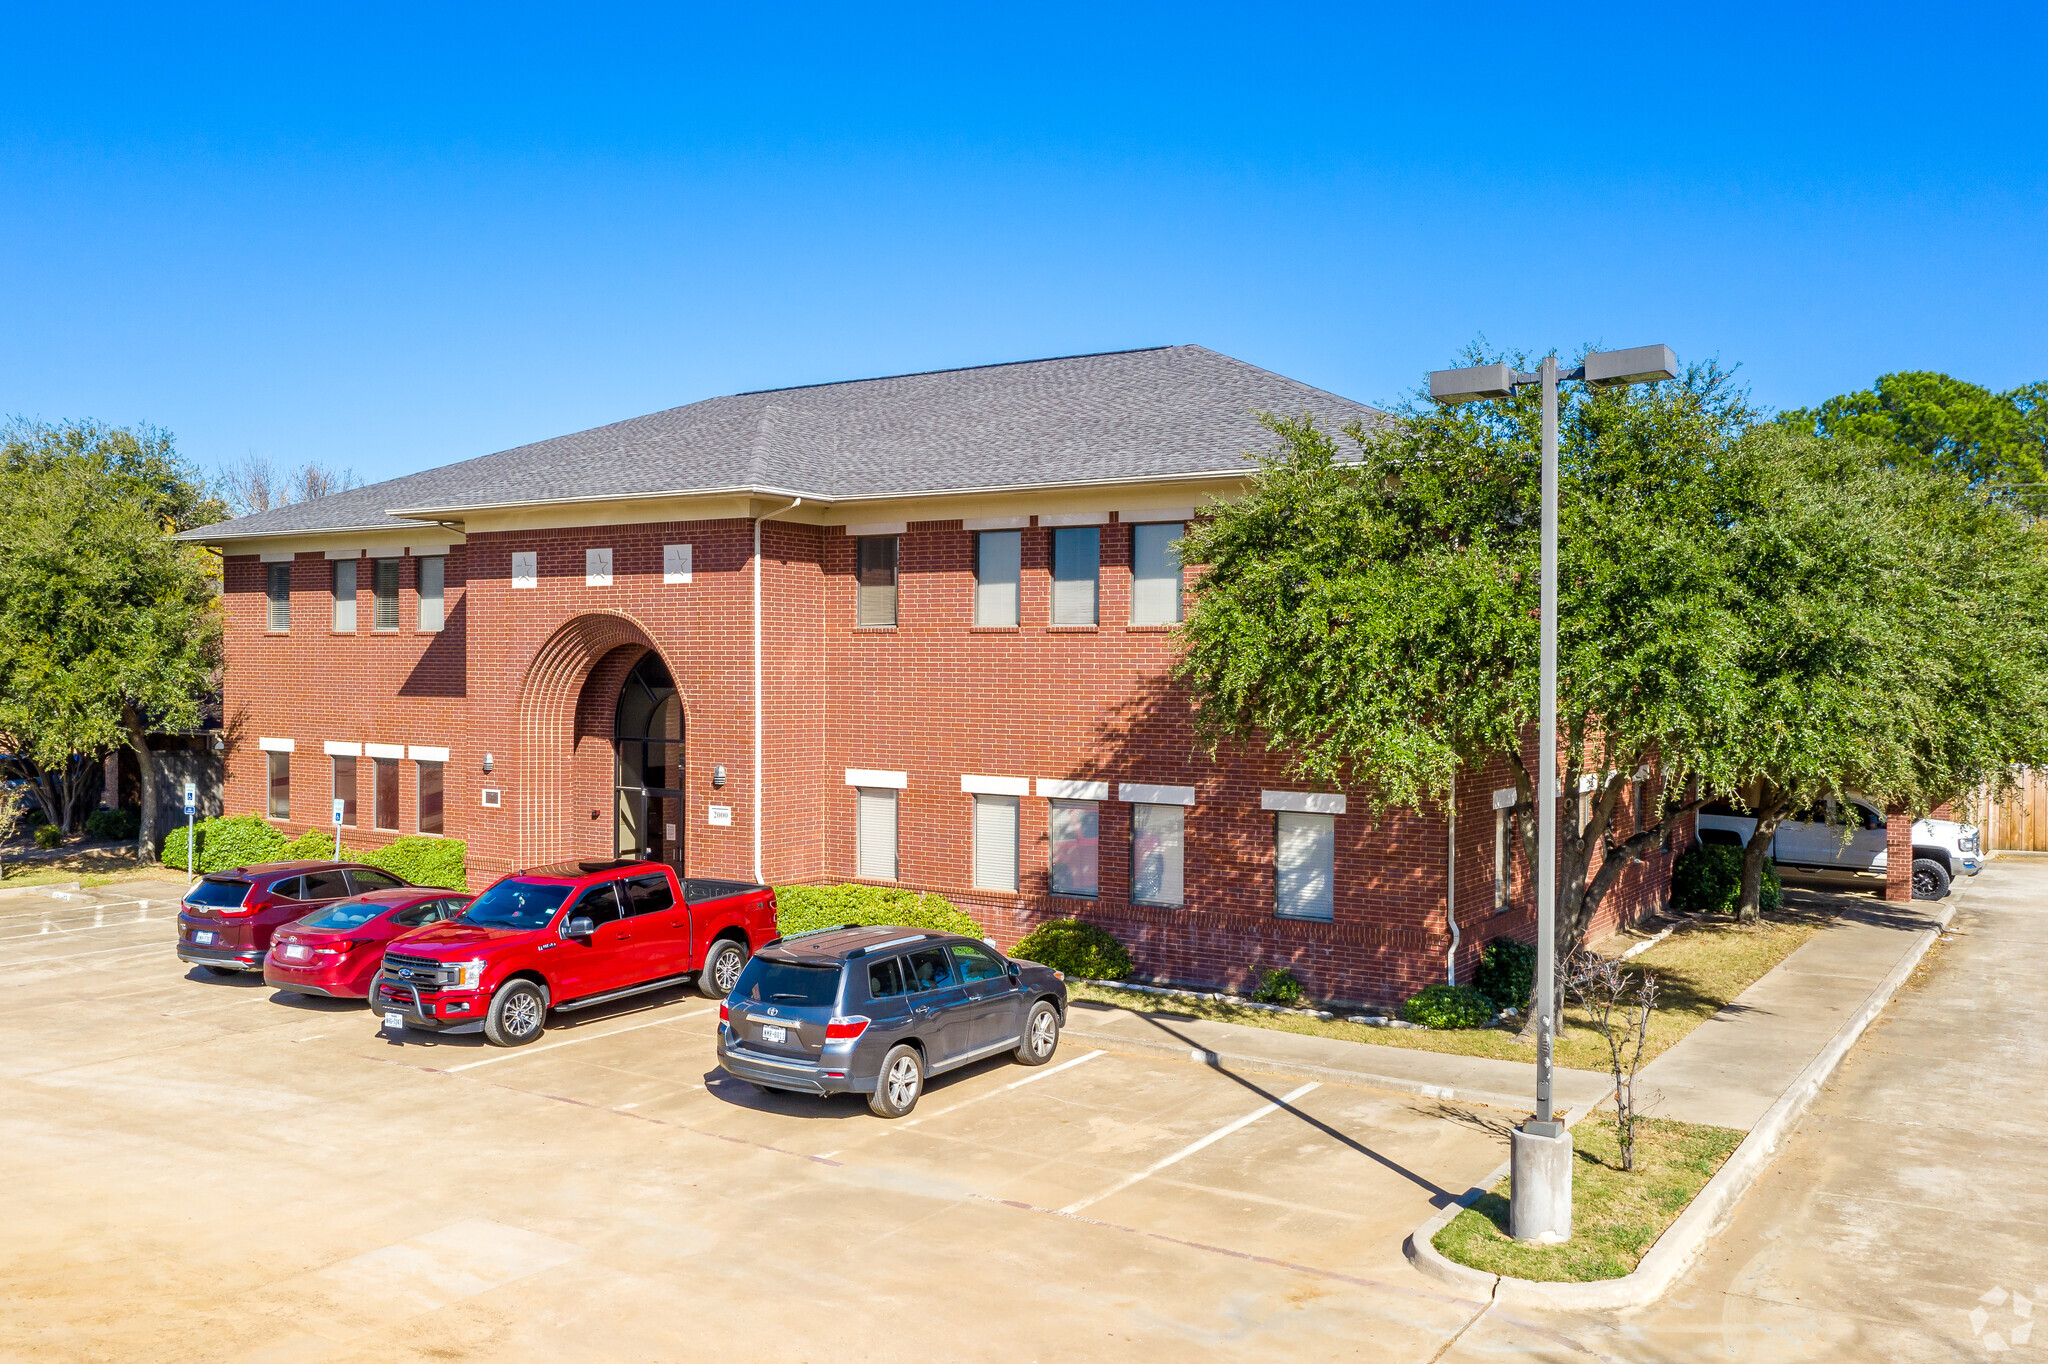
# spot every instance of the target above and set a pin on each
(1749, 906)
(145, 767)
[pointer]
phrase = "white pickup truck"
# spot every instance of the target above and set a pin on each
(1849, 837)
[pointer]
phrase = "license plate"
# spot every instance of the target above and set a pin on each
(202, 937)
(297, 952)
(771, 1033)
(394, 1020)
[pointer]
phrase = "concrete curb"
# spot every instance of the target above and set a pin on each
(1710, 1212)
(1298, 1070)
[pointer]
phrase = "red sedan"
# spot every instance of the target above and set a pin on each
(337, 951)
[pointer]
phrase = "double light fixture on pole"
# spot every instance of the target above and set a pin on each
(1540, 1201)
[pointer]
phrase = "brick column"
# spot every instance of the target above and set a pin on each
(1898, 855)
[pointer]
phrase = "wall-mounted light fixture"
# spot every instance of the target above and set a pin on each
(718, 775)
(489, 762)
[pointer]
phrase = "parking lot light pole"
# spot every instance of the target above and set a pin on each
(1540, 1193)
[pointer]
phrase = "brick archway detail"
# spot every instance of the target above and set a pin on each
(548, 729)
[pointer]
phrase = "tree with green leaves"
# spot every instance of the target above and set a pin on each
(1996, 442)
(109, 629)
(1369, 609)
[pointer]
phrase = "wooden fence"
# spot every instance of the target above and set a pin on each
(2018, 821)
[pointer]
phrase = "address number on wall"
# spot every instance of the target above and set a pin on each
(721, 815)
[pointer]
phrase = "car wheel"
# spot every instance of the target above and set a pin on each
(518, 1014)
(1930, 879)
(901, 1082)
(1041, 1035)
(722, 968)
(222, 970)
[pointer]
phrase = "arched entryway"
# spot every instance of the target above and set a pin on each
(647, 743)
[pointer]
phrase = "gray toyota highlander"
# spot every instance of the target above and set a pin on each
(878, 1011)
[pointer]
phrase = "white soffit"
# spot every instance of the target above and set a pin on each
(1157, 514)
(420, 753)
(269, 745)
(1302, 802)
(384, 750)
(995, 786)
(1056, 789)
(871, 776)
(995, 523)
(1100, 518)
(1504, 799)
(1140, 793)
(336, 749)
(879, 528)
(277, 556)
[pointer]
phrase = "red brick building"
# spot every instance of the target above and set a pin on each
(914, 630)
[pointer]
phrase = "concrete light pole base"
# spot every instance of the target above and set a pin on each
(1540, 1195)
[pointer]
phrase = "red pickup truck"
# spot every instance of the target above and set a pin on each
(568, 936)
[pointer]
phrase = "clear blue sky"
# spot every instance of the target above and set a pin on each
(391, 239)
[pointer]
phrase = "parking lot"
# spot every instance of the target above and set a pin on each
(201, 1168)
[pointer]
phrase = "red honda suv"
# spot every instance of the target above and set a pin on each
(566, 937)
(227, 917)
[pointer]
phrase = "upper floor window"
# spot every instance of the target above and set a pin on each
(998, 559)
(345, 596)
(433, 584)
(1076, 565)
(1155, 573)
(385, 576)
(280, 594)
(876, 570)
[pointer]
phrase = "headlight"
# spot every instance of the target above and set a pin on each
(468, 975)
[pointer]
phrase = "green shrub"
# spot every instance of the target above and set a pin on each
(48, 836)
(227, 842)
(114, 826)
(422, 860)
(1077, 948)
(1278, 986)
(802, 909)
(1507, 973)
(314, 845)
(1707, 879)
(1449, 1006)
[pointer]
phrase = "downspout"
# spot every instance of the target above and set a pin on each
(1451, 895)
(760, 787)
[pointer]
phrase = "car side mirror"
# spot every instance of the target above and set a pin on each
(579, 927)
(1016, 971)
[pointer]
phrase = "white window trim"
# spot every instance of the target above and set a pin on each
(269, 745)
(996, 523)
(421, 754)
(870, 776)
(1053, 788)
(1100, 518)
(1505, 798)
(1139, 793)
(336, 749)
(987, 786)
(1302, 802)
(1139, 518)
(276, 556)
(880, 528)
(384, 750)
(355, 553)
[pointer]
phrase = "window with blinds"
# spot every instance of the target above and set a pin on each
(995, 843)
(998, 563)
(345, 596)
(1305, 848)
(345, 787)
(1155, 573)
(430, 797)
(1503, 855)
(433, 590)
(874, 833)
(280, 765)
(1073, 827)
(384, 793)
(1076, 565)
(876, 574)
(1158, 854)
(385, 578)
(278, 589)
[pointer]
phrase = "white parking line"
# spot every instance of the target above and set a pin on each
(1015, 1084)
(1218, 1135)
(1041, 1074)
(598, 1037)
(101, 952)
(46, 910)
(47, 931)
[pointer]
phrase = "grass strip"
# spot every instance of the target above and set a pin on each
(1617, 1215)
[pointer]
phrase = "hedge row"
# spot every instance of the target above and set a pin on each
(243, 840)
(802, 909)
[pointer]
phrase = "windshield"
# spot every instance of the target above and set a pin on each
(218, 894)
(515, 904)
(347, 914)
(767, 981)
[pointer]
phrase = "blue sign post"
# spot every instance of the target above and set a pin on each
(337, 828)
(191, 809)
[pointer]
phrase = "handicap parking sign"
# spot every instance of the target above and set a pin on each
(191, 798)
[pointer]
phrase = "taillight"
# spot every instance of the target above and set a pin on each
(342, 948)
(724, 1014)
(845, 1029)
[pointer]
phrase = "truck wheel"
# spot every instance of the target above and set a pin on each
(722, 968)
(1930, 879)
(901, 1082)
(517, 1015)
(1041, 1035)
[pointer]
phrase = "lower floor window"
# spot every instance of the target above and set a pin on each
(1503, 856)
(384, 793)
(1076, 869)
(430, 798)
(875, 833)
(345, 788)
(995, 843)
(1305, 848)
(1158, 854)
(280, 785)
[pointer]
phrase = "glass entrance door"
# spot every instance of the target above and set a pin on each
(648, 736)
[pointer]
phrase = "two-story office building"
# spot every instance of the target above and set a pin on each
(914, 630)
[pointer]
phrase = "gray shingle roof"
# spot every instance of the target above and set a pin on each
(1126, 415)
